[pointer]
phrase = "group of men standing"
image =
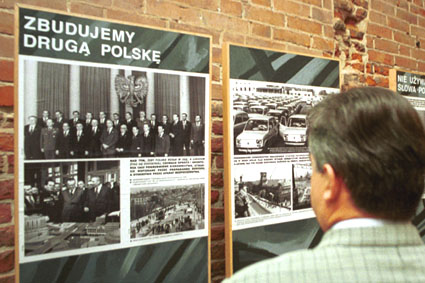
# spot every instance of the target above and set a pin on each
(59, 138)
(75, 203)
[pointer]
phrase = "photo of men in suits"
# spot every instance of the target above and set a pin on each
(197, 136)
(79, 142)
(187, 127)
(176, 135)
(94, 132)
(98, 200)
(72, 199)
(63, 142)
(48, 140)
(162, 142)
(32, 133)
(108, 139)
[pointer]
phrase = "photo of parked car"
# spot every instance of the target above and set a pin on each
(295, 133)
(258, 135)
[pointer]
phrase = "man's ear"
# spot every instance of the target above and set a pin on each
(332, 184)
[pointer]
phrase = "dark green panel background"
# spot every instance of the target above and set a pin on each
(179, 52)
(270, 66)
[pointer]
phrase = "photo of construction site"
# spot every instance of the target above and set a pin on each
(262, 192)
(301, 186)
(167, 210)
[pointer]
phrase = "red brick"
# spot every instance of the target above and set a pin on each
(304, 25)
(216, 73)
(418, 54)
(6, 95)
(203, 4)
(216, 55)
(313, 2)
(11, 162)
(291, 7)
(218, 268)
(420, 3)
(7, 4)
(170, 10)
(260, 30)
(357, 56)
(217, 92)
(217, 179)
(380, 57)
(5, 213)
(219, 162)
(102, 2)
(382, 82)
(379, 30)
(82, 8)
(370, 81)
(382, 70)
(8, 279)
(217, 144)
(217, 127)
(405, 50)
(214, 196)
(217, 251)
(7, 236)
(195, 29)
(7, 22)
(377, 18)
(417, 10)
(224, 22)
(398, 24)
(217, 233)
(265, 16)
(405, 62)
(386, 45)
(421, 66)
(362, 3)
(261, 2)
(403, 38)
(7, 46)
(418, 31)
(57, 5)
(383, 7)
(409, 17)
(6, 71)
(129, 5)
(217, 109)
(7, 189)
(231, 7)
(323, 44)
(290, 36)
(7, 261)
(217, 215)
(233, 37)
(328, 31)
(259, 42)
(322, 15)
(136, 18)
(6, 142)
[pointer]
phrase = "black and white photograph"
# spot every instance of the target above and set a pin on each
(70, 205)
(272, 117)
(262, 191)
(74, 111)
(301, 187)
(167, 210)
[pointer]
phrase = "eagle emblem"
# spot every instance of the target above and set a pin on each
(131, 90)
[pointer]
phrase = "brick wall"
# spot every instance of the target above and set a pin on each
(368, 36)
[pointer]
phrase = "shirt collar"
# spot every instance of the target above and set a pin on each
(360, 223)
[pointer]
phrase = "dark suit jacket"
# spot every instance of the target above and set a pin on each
(48, 138)
(153, 127)
(63, 144)
(162, 145)
(79, 146)
(124, 142)
(110, 139)
(72, 205)
(34, 207)
(73, 124)
(167, 127)
(130, 125)
(186, 132)
(58, 124)
(177, 141)
(32, 143)
(197, 132)
(136, 146)
(148, 144)
(94, 144)
(100, 203)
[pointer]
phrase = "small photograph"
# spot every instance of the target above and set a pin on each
(71, 205)
(260, 192)
(301, 187)
(167, 210)
(272, 117)
(78, 112)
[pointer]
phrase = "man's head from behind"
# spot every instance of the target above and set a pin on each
(368, 152)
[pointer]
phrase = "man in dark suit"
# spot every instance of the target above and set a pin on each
(148, 142)
(32, 133)
(367, 151)
(153, 125)
(141, 120)
(98, 199)
(87, 122)
(116, 121)
(32, 200)
(63, 142)
(166, 124)
(48, 138)
(94, 133)
(136, 143)
(197, 134)
(75, 120)
(72, 200)
(102, 120)
(123, 144)
(129, 122)
(108, 139)
(50, 202)
(44, 117)
(187, 127)
(176, 135)
(79, 142)
(59, 120)
(162, 142)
